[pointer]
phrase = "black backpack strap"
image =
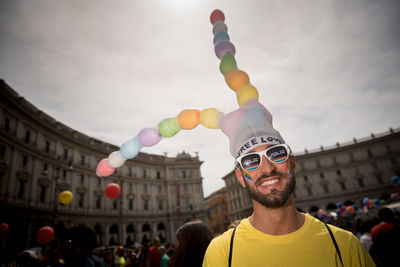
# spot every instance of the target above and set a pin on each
(336, 245)
(231, 247)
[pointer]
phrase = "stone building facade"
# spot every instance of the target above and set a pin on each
(40, 157)
(217, 211)
(344, 172)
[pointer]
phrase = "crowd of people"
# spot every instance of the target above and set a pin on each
(379, 235)
(76, 248)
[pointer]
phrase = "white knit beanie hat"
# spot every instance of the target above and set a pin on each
(248, 127)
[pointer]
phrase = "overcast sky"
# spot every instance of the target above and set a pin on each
(327, 70)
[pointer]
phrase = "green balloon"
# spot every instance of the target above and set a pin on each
(169, 127)
(228, 63)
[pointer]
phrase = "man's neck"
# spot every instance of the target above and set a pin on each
(279, 221)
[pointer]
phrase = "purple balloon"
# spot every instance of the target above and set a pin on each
(149, 136)
(223, 47)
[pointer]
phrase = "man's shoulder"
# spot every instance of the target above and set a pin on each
(224, 236)
(337, 232)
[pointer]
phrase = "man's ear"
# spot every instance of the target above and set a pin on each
(293, 163)
(239, 176)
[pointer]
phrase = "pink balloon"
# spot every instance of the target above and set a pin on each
(149, 136)
(230, 123)
(112, 190)
(104, 169)
(45, 235)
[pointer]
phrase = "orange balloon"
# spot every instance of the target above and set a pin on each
(236, 79)
(350, 209)
(371, 203)
(189, 118)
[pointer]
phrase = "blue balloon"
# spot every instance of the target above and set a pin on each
(395, 179)
(131, 148)
(355, 207)
(339, 204)
(219, 36)
(377, 202)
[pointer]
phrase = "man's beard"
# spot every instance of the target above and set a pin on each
(275, 199)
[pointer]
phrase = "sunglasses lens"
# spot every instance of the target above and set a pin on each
(251, 162)
(277, 154)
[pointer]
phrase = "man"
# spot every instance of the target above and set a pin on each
(164, 257)
(153, 258)
(276, 234)
(80, 241)
(120, 259)
(386, 239)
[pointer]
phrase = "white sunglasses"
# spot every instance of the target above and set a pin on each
(253, 160)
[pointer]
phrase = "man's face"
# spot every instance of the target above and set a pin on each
(272, 183)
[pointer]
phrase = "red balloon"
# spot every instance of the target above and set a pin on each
(217, 15)
(3, 228)
(112, 190)
(45, 235)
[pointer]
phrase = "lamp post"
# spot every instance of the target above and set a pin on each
(55, 180)
(121, 215)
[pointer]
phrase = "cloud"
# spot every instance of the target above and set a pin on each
(327, 70)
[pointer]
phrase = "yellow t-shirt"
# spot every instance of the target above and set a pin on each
(311, 245)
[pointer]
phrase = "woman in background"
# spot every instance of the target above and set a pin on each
(193, 239)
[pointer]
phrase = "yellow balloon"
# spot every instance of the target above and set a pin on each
(210, 117)
(65, 197)
(245, 93)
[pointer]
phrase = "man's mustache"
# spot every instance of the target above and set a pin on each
(260, 179)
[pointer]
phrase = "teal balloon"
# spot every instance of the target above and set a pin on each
(131, 148)
(228, 63)
(169, 127)
(219, 36)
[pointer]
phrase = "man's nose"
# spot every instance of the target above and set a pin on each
(267, 166)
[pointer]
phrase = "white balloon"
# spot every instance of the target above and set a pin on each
(115, 159)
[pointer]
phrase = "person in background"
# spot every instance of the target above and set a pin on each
(170, 253)
(109, 258)
(164, 257)
(386, 239)
(153, 257)
(132, 259)
(81, 240)
(120, 259)
(27, 258)
(365, 231)
(193, 238)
